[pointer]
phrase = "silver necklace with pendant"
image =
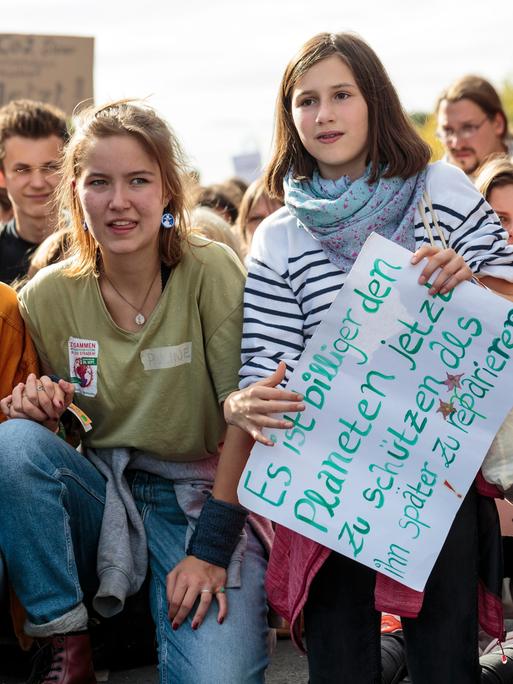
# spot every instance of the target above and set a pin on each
(139, 318)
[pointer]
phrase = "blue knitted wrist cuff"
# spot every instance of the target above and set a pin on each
(217, 532)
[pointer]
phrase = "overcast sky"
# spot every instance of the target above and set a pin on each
(212, 67)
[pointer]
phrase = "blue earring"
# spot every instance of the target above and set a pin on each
(85, 226)
(168, 220)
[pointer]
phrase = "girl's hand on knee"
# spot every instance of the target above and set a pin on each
(250, 408)
(453, 269)
(191, 579)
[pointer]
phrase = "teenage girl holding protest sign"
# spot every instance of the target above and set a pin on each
(348, 162)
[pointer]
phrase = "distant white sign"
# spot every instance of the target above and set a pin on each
(247, 166)
(53, 69)
(404, 393)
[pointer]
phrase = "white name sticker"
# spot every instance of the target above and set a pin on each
(83, 365)
(166, 357)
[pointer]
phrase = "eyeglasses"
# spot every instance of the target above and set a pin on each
(466, 132)
(45, 169)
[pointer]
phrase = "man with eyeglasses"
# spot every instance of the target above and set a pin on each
(32, 135)
(472, 124)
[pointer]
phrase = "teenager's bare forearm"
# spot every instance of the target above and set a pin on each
(237, 446)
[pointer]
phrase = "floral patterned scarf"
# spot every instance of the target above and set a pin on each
(341, 214)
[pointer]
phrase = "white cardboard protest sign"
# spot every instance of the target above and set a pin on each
(404, 393)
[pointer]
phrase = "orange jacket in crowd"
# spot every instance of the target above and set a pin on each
(17, 359)
(17, 355)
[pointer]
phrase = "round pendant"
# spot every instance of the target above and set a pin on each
(139, 319)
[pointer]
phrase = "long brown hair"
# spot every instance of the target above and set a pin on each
(394, 146)
(119, 118)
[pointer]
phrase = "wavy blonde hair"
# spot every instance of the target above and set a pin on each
(494, 173)
(122, 118)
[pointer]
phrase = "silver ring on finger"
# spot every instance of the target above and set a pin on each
(40, 388)
(206, 591)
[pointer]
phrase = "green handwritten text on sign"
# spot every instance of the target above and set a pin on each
(404, 393)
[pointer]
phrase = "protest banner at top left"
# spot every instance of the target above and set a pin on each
(53, 69)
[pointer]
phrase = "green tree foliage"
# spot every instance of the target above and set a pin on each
(425, 124)
(507, 99)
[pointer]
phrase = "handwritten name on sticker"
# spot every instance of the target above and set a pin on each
(166, 357)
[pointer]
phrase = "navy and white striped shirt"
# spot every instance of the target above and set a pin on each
(291, 283)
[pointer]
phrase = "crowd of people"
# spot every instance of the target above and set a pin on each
(164, 318)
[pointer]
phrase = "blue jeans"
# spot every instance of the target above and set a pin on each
(51, 507)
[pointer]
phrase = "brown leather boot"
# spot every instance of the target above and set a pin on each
(64, 659)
